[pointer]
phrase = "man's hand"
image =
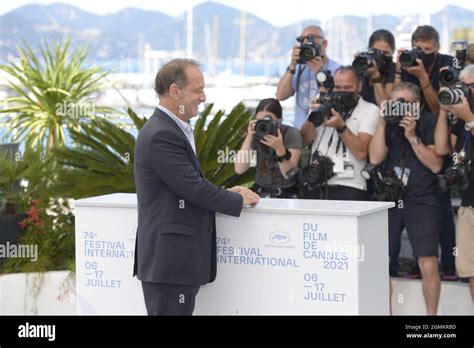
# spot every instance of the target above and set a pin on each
(236, 189)
(250, 197)
(316, 64)
(295, 56)
(275, 142)
(409, 124)
(314, 104)
(461, 110)
(335, 121)
(418, 71)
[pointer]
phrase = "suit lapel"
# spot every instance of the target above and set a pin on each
(162, 115)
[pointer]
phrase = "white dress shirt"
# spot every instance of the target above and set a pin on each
(185, 127)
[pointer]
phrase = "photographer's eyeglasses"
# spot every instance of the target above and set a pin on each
(301, 39)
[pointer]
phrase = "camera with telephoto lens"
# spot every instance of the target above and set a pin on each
(342, 102)
(310, 50)
(365, 60)
(455, 176)
(451, 74)
(317, 173)
(453, 94)
(408, 58)
(266, 126)
(388, 188)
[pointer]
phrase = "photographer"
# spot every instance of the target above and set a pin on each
(404, 144)
(458, 139)
(300, 74)
(422, 65)
(340, 137)
(379, 76)
(278, 151)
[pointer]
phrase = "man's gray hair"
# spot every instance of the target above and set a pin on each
(466, 72)
(414, 90)
(173, 72)
(317, 27)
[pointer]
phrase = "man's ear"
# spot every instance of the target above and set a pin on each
(359, 86)
(175, 91)
(325, 44)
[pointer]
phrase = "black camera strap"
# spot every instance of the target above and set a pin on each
(301, 69)
(316, 151)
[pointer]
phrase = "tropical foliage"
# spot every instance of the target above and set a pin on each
(54, 90)
(101, 159)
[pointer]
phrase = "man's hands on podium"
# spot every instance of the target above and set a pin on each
(249, 197)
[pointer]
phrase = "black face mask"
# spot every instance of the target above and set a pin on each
(428, 59)
(385, 65)
(345, 101)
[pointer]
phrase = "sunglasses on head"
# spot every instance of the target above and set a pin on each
(301, 39)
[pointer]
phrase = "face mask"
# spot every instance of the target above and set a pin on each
(345, 101)
(428, 59)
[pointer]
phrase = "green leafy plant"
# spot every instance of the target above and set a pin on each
(22, 176)
(54, 90)
(49, 227)
(101, 160)
(217, 145)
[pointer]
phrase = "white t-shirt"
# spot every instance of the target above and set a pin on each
(364, 119)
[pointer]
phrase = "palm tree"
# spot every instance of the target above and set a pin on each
(101, 160)
(53, 92)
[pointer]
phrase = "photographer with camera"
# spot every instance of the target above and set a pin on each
(278, 150)
(457, 138)
(340, 128)
(377, 67)
(422, 65)
(403, 146)
(307, 58)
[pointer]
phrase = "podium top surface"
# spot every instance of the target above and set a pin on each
(266, 205)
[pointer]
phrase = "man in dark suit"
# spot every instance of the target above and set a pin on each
(175, 249)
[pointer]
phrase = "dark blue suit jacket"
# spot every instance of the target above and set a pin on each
(176, 237)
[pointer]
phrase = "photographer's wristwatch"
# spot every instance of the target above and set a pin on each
(469, 125)
(291, 71)
(285, 157)
(341, 130)
(415, 141)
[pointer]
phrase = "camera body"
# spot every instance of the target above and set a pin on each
(388, 188)
(449, 76)
(266, 126)
(310, 50)
(394, 111)
(339, 101)
(317, 173)
(455, 176)
(365, 60)
(453, 94)
(408, 58)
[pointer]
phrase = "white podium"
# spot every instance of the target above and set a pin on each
(283, 257)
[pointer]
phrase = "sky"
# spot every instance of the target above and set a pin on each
(277, 12)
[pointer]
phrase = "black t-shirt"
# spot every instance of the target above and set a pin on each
(368, 93)
(441, 60)
(421, 187)
(467, 196)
